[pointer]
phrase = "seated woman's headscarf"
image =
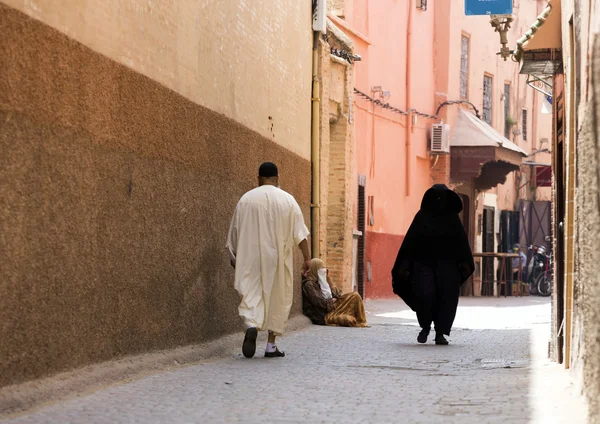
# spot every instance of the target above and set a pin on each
(318, 273)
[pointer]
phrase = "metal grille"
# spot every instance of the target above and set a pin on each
(487, 99)
(436, 138)
(506, 110)
(360, 261)
(524, 125)
(487, 285)
(464, 67)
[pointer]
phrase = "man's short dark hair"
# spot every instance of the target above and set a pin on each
(268, 170)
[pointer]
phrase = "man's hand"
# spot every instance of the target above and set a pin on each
(306, 268)
(306, 265)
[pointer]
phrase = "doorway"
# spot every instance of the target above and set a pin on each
(488, 245)
(559, 211)
(466, 289)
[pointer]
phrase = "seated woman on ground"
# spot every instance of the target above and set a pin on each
(324, 304)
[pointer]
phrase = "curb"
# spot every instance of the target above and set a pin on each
(25, 397)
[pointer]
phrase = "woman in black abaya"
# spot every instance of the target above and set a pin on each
(434, 260)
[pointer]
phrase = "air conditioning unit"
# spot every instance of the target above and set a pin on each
(320, 16)
(440, 138)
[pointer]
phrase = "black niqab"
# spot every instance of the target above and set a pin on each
(434, 260)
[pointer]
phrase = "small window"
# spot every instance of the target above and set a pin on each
(371, 211)
(487, 98)
(524, 125)
(464, 67)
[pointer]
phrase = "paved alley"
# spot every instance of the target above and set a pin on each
(493, 371)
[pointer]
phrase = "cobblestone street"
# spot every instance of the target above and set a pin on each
(493, 371)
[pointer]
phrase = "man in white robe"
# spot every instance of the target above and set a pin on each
(266, 226)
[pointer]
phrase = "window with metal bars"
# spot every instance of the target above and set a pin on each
(487, 98)
(524, 124)
(464, 67)
(507, 117)
(360, 260)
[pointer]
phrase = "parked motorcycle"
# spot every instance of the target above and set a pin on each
(535, 268)
(545, 280)
(540, 275)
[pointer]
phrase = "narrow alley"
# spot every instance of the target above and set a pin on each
(494, 370)
(176, 172)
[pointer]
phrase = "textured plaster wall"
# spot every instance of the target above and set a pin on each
(115, 199)
(587, 305)
(585, 341)
(247, 59)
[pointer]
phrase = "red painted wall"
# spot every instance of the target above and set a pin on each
(381, 250)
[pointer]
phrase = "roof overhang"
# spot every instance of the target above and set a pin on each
(470, 131)
(532, 163)
(485, 166)
(541, 62)
(480, 154)
(542, 52)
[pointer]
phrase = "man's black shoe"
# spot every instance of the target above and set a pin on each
(276, 354)
(249, 346)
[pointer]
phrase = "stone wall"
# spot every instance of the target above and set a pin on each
(337, 158)
(581, 327)
(587, 290)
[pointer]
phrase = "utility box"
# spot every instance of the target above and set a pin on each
(320, 17)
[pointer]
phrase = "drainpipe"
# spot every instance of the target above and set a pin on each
(315, 153)
(408, 86)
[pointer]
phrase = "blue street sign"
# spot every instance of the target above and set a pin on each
(488, 7)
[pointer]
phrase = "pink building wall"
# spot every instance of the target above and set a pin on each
(379, 31)
(451, 24)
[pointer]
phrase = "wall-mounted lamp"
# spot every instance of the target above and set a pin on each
(422, 4)
(501, 25)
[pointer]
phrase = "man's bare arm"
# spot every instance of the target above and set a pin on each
(306, 254)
